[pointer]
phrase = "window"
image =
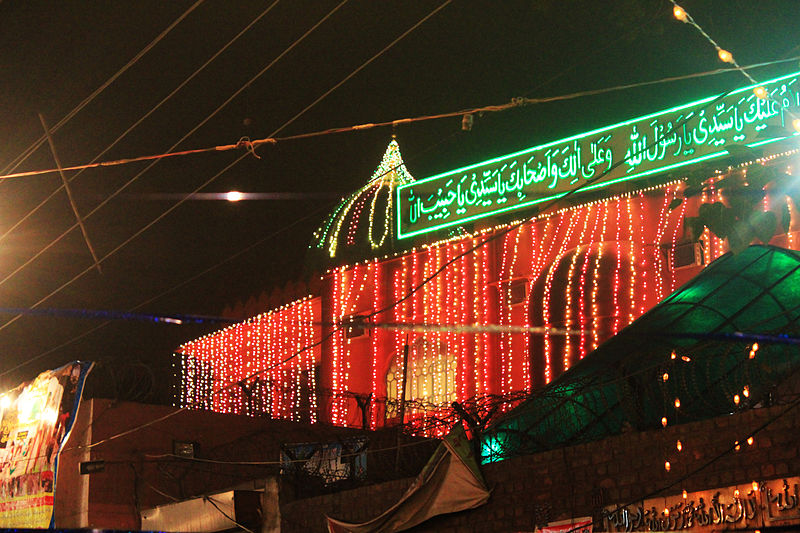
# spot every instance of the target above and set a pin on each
(430, 381)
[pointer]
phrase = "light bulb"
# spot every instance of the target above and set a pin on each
(685, 494)
(664, 421)
(725, 56)
(750, 440)
(234, 196)
(736, 493)
(746, 391)
(755, 486)
(673, 355)
(761, 92)
(677, 403)
(680, 13)
(665, 377)
(737, 446)
(736, 399)
(679, 445)
(667, 466)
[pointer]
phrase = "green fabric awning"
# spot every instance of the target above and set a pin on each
(710, 324)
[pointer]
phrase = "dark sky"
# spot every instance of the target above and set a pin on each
(471, 53)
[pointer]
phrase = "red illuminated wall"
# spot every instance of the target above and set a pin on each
(591, 269)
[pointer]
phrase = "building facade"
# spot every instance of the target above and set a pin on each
(491, 280)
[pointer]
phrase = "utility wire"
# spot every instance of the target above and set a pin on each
(517, 102)
(286, 124)
(41, 140)
(144, 117)
(139, 174)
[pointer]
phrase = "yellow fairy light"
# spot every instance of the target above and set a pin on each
(761, 92)
(736, 493)
(680, 13)
(753, 350)
(666, 511)
(664, 421)
(724, 55)
(665, 377)
(736, 399)
(686, 358)
(746, 391)
(677, 403)
(673, 355)
(755, 486)
(685, 494)
(737, 446)
(750, 440)
(679, 445)
(667, 466)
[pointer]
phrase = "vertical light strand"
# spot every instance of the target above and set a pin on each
(583, 314)
(377, 336)
(595, 310)
(568, 320)
(546, 311)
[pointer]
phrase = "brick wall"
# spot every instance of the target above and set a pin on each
(580, 480)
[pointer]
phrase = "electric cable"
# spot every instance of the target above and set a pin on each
(286, 124)
(139, 174)
(516, 102)
(144, 117)
(41, 140)
(154, 162)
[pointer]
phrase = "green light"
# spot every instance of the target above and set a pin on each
(646, 145)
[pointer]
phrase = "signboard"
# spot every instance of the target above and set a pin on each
(756, 505)
(647, 145)
(35, 421)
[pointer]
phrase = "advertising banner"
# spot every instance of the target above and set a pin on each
(35, 421)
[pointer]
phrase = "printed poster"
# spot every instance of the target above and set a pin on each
(35, 421)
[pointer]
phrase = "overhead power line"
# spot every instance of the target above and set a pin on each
(251, 145)
(41, 140)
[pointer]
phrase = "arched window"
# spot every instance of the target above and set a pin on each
(430, 381)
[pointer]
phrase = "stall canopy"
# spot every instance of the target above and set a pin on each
(721, 343)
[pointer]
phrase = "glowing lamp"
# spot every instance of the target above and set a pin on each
(750, 441)
(234, 196)
(725, 56)
(736, 493)
(679, 445)
(664, 421)
(677, 403)
(667, 466)
(755, 486)
(761, 92)
(736, 399)
(685, 494)
(680, 13)
(665, 377)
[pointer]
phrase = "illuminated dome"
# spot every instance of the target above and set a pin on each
(363, 224)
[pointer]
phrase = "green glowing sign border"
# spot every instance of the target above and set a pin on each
(456, 221)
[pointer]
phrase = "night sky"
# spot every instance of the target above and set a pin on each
(53, 55)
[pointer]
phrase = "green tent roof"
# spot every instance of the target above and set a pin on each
(710, 324)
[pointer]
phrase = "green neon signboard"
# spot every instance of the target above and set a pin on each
(685, 134)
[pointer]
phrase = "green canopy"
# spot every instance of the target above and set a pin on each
(697, 346)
